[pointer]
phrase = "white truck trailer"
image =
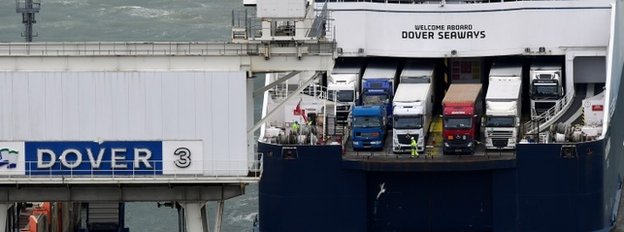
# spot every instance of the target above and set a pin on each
(342, 85)
(546, 87)
(412, 107)
(503, 106)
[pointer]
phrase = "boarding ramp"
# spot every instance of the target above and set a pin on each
(548, 117)
(567, 110)
(574, 113)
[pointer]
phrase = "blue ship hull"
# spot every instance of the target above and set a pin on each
(538, 191)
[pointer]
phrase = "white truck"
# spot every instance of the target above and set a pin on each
(503, 106)
(546, 87)
(412, 106)
(342, 85)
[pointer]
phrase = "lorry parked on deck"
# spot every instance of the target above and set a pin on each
(378, 85)
(412, 106)
(461, 118)
(546, 87)
(342, 85)
(503, 106)
(368, 127)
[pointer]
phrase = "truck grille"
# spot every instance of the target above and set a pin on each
(367, 135)
(342, 108)
(501, 134)
(342, 117)
(406, 138)
(458, 141)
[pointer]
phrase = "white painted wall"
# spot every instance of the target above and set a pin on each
(509, 27)
(90, 106)
(281, 8)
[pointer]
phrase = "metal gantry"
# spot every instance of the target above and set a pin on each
(28, 9)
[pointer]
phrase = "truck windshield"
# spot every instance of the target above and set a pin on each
(407, 122)
(375, 99)
(366, 122)
(500, 121)
(342, 95)
(457, 122)
(545, 90)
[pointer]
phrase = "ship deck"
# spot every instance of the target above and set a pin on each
(432, 154)
(432, 159)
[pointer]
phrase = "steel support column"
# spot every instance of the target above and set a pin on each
(4, 209)
(219, 216)
(193, 220)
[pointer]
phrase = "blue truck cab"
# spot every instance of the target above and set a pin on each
(368, 127)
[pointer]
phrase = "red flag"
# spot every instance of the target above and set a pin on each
(300, 112)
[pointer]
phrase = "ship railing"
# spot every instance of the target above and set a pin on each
(313, 28)
(149, 48)
(289, 31)
(319, 91)
(281, 90)
(245, 25)
(155, 171)
(548, 117)
(255, 165)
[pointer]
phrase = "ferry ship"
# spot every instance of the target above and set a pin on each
(538, 146)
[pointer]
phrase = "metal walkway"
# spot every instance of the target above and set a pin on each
(167, 56)
(572, 113)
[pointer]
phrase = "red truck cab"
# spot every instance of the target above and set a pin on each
(461, 114)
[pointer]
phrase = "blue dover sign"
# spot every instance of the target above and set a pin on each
(116, 158)
(87, 158)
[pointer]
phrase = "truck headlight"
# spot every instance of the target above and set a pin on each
(446, 144)
(356, 142)
(375, 142)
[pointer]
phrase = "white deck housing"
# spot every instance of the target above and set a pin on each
(469, 30)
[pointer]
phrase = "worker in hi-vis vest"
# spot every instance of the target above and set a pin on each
(294, 127)
(414, 148)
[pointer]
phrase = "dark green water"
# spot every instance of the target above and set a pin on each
(123, 20)
(139, 20)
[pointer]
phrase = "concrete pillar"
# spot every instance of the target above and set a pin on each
(84, 209)
(219, 216)
(4, 211)
(250, 118)
(193, 219)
